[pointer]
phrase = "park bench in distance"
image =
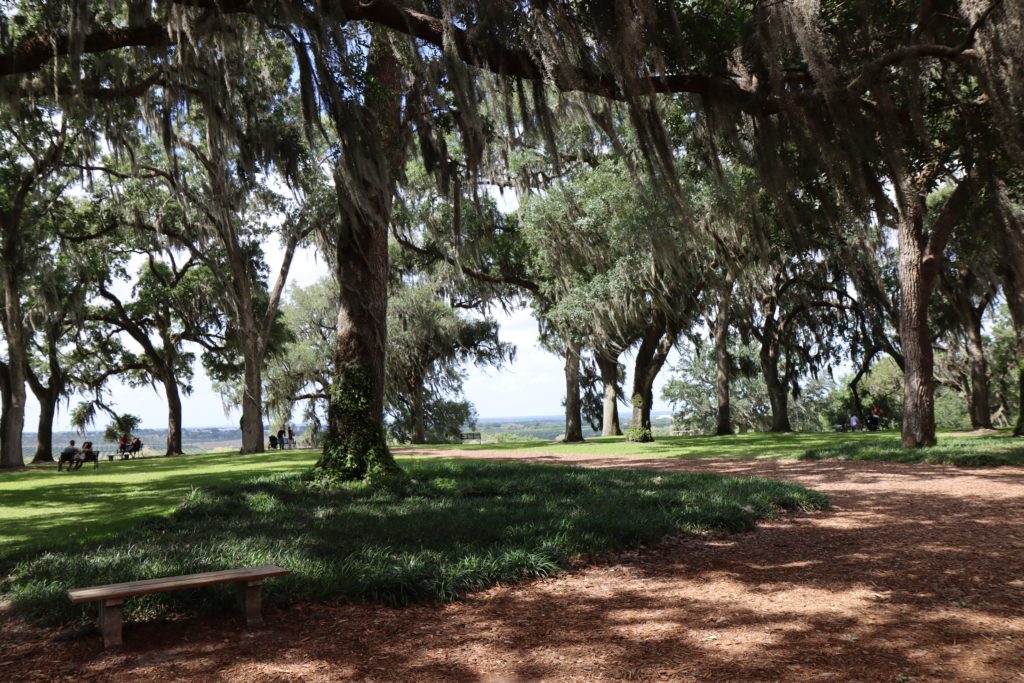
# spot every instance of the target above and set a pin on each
(111, 597)
(469, 436)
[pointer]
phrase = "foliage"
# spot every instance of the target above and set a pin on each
(980, 451)
(457, 528)
(691, 392)
(121, 424)
(444, 421)
(357, 449)
(638, 434)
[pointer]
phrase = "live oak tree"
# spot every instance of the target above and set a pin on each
(858, 89)
(428, 342)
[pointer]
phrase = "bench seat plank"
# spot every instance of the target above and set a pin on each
(147, 586)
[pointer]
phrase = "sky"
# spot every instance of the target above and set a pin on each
(532, 385)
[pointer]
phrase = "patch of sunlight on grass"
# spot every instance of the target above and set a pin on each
(42, 507)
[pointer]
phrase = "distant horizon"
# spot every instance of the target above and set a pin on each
(500, 418)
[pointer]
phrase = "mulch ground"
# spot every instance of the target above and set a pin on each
(915, 574)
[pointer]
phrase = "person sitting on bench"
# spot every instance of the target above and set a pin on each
(122, 445)
(68, 455)
(87, 454)
(136, 447)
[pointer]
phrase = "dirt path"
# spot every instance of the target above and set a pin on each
(917, 574)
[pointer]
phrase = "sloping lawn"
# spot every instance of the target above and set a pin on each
(41, 507)
(954, 447)
(458, 526)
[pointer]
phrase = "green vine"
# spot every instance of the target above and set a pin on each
(357, 450)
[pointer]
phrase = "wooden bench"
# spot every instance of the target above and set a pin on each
(469, 436)
(112, 596)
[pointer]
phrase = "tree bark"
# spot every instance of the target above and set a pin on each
(609, 369)
(173, 415)
(919, 259)
(654, 348)
(1012, 271)
(778, 392)
(1014, 288)
(981, 412)
(17, 361)
(252, 402)
(573, 407)
(373, 142)
(419, 430)
(919, 362)
(44, 441)
(47, 395)
(723, 363)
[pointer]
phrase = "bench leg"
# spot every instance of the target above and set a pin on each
(110, 622)
(250, 599)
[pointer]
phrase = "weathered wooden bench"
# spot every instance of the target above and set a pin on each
(112, 596)
(469, 436)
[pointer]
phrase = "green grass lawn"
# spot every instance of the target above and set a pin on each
(860, 445)
(41, 507)
(457, 526)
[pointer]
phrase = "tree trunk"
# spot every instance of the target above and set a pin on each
(919, 362)
(778, 395)
(173, 415)
(722, 361)
(981, 410)
(609, 369)
(573, 407)
(1012, 271)
(47, 411)
(252, 404)
(373, 142)
(419, 431)
(17, 361)
(1015, 303)
(650, 358)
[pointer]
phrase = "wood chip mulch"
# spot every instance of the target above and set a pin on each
(916, 574)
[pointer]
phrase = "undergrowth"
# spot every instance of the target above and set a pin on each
(452, 528)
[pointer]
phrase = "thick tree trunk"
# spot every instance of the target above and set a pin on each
(1015, 302)
(919, 362)
(252, 404)
(723, 363)
(778, 395)
(609, 369)
(650, 358)
(14, 413)
(573, 407)
(372, 139)
(358, 447)
(47, 411)
(1013, 285)
(173, 415)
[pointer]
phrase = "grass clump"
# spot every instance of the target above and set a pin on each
(455, 527)
(964, 451)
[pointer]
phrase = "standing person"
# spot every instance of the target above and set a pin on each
(854, 423)
(876, 419)
(67, 456)
(280, 438)
(291, 437)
